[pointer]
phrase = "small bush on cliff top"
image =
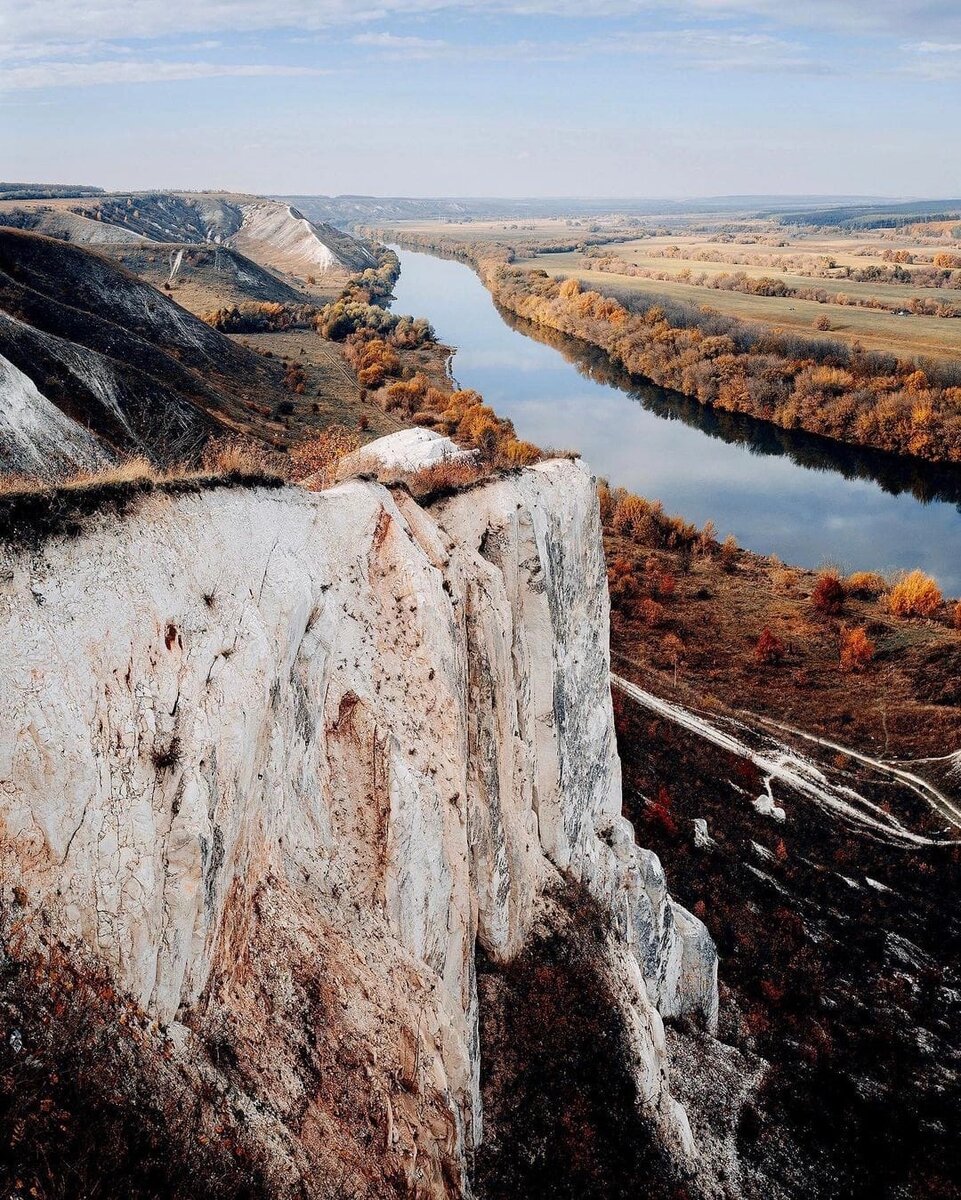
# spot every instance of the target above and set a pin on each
(828, 595)
(915, 595)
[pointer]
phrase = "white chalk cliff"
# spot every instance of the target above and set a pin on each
(345, 727)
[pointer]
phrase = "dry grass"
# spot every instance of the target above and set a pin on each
(129, 471)
(33, 509)
(451, 475)
(866, 585)
(314, 463)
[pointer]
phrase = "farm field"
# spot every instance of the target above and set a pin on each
(691, 257)
(932, 337)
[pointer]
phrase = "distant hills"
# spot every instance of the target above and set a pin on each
(272, 233)
(97, 364)
(345, 210)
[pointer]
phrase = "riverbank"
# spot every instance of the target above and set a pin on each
(822, 386)
(717, 625)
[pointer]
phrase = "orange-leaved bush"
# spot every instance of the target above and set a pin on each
(915, 595)
(857, 649)
(828, 595)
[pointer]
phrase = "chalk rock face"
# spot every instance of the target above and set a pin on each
(35, 436)
(406, 451)
(234, 706)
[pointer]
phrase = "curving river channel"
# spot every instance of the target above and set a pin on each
(806, 499)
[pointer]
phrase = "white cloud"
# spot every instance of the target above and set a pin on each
(392, 41)
(89, 74)
(934, 61)
(79, 42)
(31, 21)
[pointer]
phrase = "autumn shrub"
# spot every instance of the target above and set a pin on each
(628, 514)
(519, 453)
(650, 612)
(621, 580)
(915, 595)
(660, 811)
(769, 650)
(644, 521)
(865, 585)
(267, 317)
(314, 462)
(828, 596)
(661, 584)
(956, 614)
(857, 649)
(729, 553)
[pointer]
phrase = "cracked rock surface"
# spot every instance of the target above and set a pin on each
(248, 735)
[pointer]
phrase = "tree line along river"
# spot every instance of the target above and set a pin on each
(808, 500)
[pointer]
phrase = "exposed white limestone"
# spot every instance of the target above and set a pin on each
(35, 436)
(400, 717)
(406, 451)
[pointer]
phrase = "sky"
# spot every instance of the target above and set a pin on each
(612, 98)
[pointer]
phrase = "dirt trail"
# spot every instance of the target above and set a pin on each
(802, 775)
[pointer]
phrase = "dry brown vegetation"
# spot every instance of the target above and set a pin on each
(314, 463)
(869, 677)
(262, 317)
(775, 286)
(828, 595)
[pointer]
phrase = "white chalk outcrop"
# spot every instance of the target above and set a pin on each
(280, 236)
(36, 438)
(401, 454)
(394, 722)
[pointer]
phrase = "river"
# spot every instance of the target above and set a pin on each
(806, 499)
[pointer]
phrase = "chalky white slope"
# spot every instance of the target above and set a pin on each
(393, 722)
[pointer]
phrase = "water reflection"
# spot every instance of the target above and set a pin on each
(802, 497)
(926, 482)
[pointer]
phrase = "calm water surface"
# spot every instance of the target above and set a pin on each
(805, 499)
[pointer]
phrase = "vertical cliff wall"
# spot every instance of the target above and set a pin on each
(286, 763)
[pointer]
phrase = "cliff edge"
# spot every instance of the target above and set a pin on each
(289, 767)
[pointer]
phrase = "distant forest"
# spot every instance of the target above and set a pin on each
(46, 191)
